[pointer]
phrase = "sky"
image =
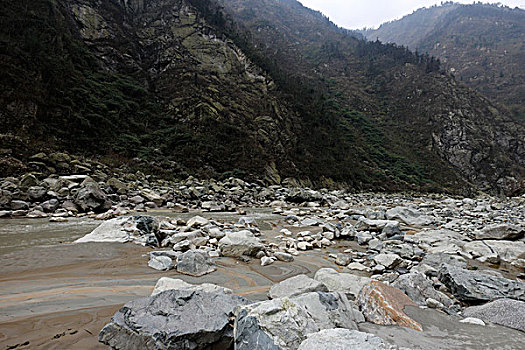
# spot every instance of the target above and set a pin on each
(357, 14)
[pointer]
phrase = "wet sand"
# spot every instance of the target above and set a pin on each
(59, 297)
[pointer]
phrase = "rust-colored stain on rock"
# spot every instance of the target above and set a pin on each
(383, 304)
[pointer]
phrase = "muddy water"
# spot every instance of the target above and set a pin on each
(58, 295)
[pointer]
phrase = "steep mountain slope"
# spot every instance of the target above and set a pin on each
(265, 87)
(483, 45)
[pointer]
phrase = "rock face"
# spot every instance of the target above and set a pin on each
(166, 283)
(418, 288)
(476, 287)
(505, 312)
(175, 319)
(195, 263)
(296, 285)
(341, 282)
(284, 323)
(236, 244)
(502, 231)
(342, 339)
(384, 305)
(138, 229)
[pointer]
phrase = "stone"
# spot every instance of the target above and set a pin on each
(365, 224)
(141, 230)
(36, 214)
(51, 205)
(363, 237)
(343, 259)
(161, 263)
(152, 196)
(195, 263)
(475, 287)
(341, 282)
(342, 339)
(493, 249)
(358, 267)
(408, 216)
(166, 283)
(266, 260)
(246, 221)
(281, 256)
(505, 312)
(91, 198)
(296, 285)
(19, 205)
(418, 288)
(236, 244)
(391, 230)
(28, 180)
(36, 193)
(174, 319)
(384, 305)
(438, 241)
(390, 261)
(501, 232)
(117, 186)
(284, 323)
(473, 320)
(197, 221)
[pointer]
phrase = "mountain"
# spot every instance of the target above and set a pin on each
(482, 45)
(256, 88)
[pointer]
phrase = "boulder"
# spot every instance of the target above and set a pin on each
(506, 312)
(501, 232)
(5, 199)
(281, 256)
(507, 251)
(236, 244)
(117, 186)
(284, 323)
(174, 319)
(166, 283)
(390, 261)
(296, 285)
(28, 180)
(195, 263)
(197, 221)
(19, 205)
(137, 229)
(161, 263)
(475, 287)
(365, 224)
(36, 193)
(384, 305)
(152, 196)
(418, 288)
(91, 198)
(51, 205)
(408, 216)
(342, 339)
(341, 282)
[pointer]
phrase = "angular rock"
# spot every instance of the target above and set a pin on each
(342, 339)
(281, 256)
(476, 287)
(418, 288)
(236, 244)
(409, 216)
(175, 319)
(296, 285)
(505, 250)
(36, 193)
(161, 263)
(50, 205)
(390, 261)
(341, 282)
(152, 196)
(197, 221)
(364, 224)
(166, 283)
(505, 312)
(19, 205)
(384, 305)
(91, 198)
(501, 232)
(195, 263)
(284, 323)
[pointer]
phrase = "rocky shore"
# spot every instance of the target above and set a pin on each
(401, 260)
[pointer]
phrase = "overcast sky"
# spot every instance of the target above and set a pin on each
(356, 14)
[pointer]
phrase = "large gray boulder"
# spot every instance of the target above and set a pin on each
(236, 244)
(91, 198)
(195, 263)
(296, 285)
(142, 230)
(365, 224)
(501, 231)
(284, 323)
(175, 319)
(409, 216)
(161, 263)
(342, 339)
(341, 282)
(505, 312)
(418, 288)
(476, 287)
(507, 251)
